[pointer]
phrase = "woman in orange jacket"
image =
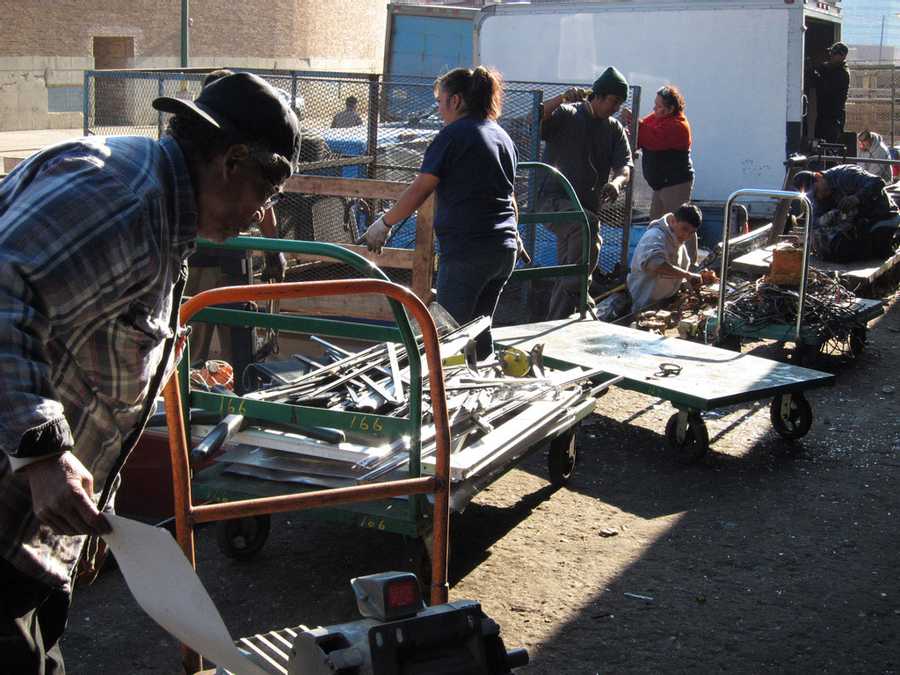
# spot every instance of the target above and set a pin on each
(664, 138)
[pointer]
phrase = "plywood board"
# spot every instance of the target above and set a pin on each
(709, 377)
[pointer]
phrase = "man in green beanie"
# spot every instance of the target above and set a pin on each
(591, 149)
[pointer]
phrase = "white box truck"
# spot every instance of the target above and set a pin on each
(739, 63)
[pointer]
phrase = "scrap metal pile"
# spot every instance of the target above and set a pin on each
(828, 313)
(497, 408)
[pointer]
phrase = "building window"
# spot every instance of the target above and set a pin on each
(64, 99)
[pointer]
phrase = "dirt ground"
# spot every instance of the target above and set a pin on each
(763, 557)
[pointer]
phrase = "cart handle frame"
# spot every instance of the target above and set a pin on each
(780, 195)
(578, 215)
(187, 514)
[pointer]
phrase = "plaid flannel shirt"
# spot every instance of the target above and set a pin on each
(94, 235)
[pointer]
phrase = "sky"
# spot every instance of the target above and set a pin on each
(862, 22)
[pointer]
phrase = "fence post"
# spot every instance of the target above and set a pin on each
(160, 91)
(372, 134)
(537, 99)
(294, 92)
(86, 102)
(629, 190)
(893, 100)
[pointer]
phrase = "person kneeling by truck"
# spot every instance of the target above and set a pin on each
(853, 217)
(661, 263)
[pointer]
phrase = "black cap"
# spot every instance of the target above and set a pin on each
(839, 48)
(611, 82)
(247, 107)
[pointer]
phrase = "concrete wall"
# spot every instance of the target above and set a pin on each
(49, 43)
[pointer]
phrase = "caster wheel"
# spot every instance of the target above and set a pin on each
(420, 562)
(561, 458)
(242, 538)
(857, 340)
(689, 442)
(730, 342)
(805, 355)
(791, 415)
(848, 344)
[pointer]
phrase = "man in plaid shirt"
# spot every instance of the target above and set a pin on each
(94, 235)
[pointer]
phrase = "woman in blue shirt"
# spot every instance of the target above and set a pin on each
(471, 165)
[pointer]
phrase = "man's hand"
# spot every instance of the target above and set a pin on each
(61, 489)
(849, 203)
(274, 268)
(521, 251)
(574, 95)
(708, 277)
(626, 118)
(609, 193)
(377, 234)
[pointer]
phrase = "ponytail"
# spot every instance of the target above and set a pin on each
(481, 90)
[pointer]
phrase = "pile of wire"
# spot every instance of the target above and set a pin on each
(828, 312)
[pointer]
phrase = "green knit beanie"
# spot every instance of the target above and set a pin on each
(611, 82)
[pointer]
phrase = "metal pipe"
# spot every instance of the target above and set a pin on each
(853, 160)
(185, 32)
(310, 500)
(181, 488)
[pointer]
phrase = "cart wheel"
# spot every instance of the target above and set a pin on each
(730, 342)
(242, 538)
(805, 355)
(418, 560)
(847, 344)
(791, 415)
(857, 340)
(561, 458)
(690, 442)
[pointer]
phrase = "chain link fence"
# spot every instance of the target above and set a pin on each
(363, 126)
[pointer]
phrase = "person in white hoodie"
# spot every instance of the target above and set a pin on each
(872, 146)
(660, 263)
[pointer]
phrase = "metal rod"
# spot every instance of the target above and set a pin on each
(185, 32)
(246, 508)
(181, 484)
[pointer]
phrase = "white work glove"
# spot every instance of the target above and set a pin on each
(377, 235)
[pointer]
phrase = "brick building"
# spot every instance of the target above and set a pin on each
(46, 45)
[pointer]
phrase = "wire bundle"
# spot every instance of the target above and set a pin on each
(828, 314)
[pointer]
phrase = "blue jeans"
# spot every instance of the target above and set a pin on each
(469, 286)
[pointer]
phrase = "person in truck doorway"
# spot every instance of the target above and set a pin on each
(831, 81)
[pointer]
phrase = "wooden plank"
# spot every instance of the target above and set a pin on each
(373, 308)
(710, 377)
(345, 187)
(331, 163)
(390, 258)
(423, 263)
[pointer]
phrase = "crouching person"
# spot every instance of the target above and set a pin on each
(661, 263)
(853, 216)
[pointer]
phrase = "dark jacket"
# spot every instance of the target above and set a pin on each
(849, 180)
(831, 84)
